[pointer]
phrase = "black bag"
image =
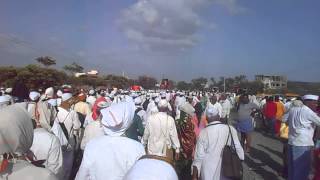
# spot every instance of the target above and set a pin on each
(231, 163)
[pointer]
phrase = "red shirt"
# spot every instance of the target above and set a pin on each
(270, 110)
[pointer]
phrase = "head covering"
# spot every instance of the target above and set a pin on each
(34, 95)
(310, 97)
(59, 93)
(99, 104)
(53, 102)
(156, 168)
(137, 101)
(8, 90)
(117, 118)
(187, 108)
(4, 100)
(66, 96)
(163, 103)
(91, 92)
(49, 92)
(16, 130)
(212, 111)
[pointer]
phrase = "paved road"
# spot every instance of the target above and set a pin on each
(265, 158)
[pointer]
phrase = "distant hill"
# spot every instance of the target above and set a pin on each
(304, 87)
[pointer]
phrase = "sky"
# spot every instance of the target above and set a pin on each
(175, 39)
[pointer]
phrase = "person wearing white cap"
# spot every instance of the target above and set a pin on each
(150, 168)
(68, 121)
(140, 111)
(160, 135)
(212, 139)
(152, 106)
(302, 121)
(91, 99)
(93, 126)
(16, 136)
(4, 101)
(111, 156)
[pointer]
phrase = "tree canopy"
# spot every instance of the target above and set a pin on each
(46, 61)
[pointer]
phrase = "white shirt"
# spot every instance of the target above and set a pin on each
(23, 170)
(109, 158)
(208, 154)
(69, 118)
(143, 115)
(46, 146)
(302, 121)
(151, 169)
(92, 130)
(160, 133)
(226, 107)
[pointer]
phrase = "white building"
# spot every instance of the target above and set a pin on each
(273, 81)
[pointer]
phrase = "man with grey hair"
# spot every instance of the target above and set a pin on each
(208, 155)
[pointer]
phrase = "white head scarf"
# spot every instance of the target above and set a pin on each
(34, 95)
(16, 130)
(187, 108)
(66, 96)
(117, 118)
(49, 92)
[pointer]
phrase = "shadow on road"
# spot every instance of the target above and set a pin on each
(277, 153)
(262, 168)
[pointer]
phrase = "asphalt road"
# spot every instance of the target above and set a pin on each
(265, 158)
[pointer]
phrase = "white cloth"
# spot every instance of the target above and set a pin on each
(34, 95)
(208, 153)
(117, 118)
(16, 128)
(66, 96)
(143, 115)
(46, 146)
(91, 100)
(69, 118)
(92, 130)
(216, 106)
(22, 170)
(302, 121)
(151, 108)
(109, 157)
(151, 169)
(82, 107)
(160, 133)
(226, 108)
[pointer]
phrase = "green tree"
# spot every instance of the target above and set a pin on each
(73, 68)
(147, 82)
(182, 85)
(46, 61)
(199, 83)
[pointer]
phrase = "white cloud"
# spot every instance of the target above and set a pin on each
(162, 25)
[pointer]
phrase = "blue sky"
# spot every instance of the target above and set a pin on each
(180, 39)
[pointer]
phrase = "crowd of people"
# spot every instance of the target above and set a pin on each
(68, 133)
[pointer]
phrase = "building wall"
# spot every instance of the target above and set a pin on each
(273, 81)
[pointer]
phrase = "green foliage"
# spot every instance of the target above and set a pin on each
(32, 75)
(199, 83)
(182, 85)
(147, 82)
(46, 61)
(73, 68)
(118, 81)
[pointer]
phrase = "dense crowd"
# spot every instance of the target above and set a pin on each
(68, 133)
